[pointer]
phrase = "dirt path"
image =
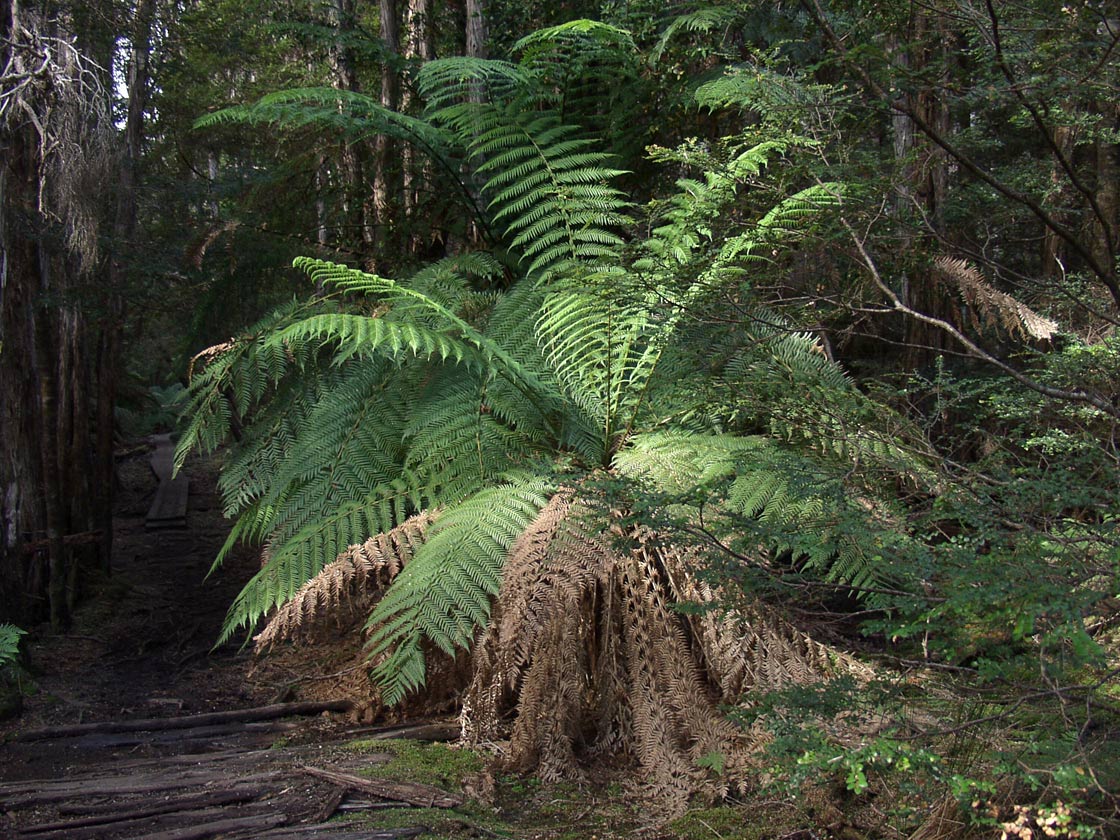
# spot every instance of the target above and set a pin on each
(107, 746)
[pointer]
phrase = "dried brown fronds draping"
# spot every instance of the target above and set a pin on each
(348, 585)
(992, 307)
(585, 654)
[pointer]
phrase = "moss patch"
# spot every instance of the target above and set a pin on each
(414, 761)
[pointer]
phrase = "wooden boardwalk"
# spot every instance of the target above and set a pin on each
(169, 508)
(220, 775)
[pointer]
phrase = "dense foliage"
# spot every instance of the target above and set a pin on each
(750, 354)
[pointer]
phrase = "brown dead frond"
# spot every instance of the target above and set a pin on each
(991, 305)
(197, 250)
(943, 823)
(207, 354)
(346, 585)
(586, 654)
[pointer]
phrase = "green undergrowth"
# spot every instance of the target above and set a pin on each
(523, 808)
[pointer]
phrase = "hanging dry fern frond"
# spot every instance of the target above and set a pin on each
(585, 654)
(348, 582)
(994, 306)
(533, 656)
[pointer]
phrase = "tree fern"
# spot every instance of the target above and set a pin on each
(546, 181)
(782, 499)
(443, 595)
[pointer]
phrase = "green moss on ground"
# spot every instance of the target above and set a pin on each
(526, 809)
(425, 763)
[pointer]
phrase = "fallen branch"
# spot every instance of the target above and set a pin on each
(421, 796)
(185, 803)
(277, 710)
(447, 731)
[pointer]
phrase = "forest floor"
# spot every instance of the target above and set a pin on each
(77, 763)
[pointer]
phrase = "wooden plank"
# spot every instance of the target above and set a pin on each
(163, 457)
(422, 796)
(169, 508)
(170, 504)
(116, 812)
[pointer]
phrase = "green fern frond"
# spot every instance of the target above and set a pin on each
(447, 82)
(677, 462)
(546, 182)
(232, 378)
(359, 336)
(585, 70)
(594, 343)
(444, 593)
(701, 22)
(343, 111)
(775, 96)
(9, 643)
(457, 443)
(810, 402)
(296, 560)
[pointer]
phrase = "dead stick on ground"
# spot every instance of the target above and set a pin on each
(422, 796)
(185, 803)
(276, 710)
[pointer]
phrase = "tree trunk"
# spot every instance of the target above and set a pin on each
(124, 231)
(418, 49)
(476, 28)
(384, 147)
(1053, 246)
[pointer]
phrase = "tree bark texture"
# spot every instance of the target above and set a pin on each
(57, 139)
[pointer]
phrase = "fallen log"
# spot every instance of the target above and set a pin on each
(421, 796)
(331, 831)
(114, 814)
(213, 829)
(253, 730)
(439, 731)
(20, 795)
(212, 821)
(329, 806)
(277, 710)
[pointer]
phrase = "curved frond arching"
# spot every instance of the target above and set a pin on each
(349, 581)
(444, 594)
(448, 82)
(299, 558)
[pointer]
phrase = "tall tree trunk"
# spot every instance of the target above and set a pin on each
(1107, 228)
(1053, 246)
(418, 48)
(341, 16)
(476, 28)
(45, 362)
(57, 133)
(384, 147)
(921, 192)
(124, 231)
